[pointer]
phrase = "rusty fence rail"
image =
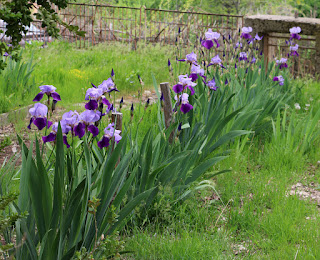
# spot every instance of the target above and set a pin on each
(127, 24)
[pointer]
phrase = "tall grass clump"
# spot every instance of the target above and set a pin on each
(16, 82)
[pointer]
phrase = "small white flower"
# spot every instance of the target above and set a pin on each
(311, 99)
(297, 106)
(307, 105)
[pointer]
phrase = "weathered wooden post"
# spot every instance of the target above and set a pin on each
(116, 118)
(167, 106)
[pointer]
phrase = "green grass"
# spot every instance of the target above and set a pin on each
(73, 70)
(255, 210)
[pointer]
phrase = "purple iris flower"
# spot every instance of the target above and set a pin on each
(71, 119)
(112, 73)
(280, 79)
(243, 56)
(210, 37)
(294, 31)
(185, 106)
(49, 90)
(6, 54)
(109, 133)
(93, 95)
(107, 86)
(238, 45)
(257, 38)
(293, 50)
(191, 58)
(52, 136)
(253, 60)
(195, 71)
(246, 33)
(215, 60)
(184, 82)
(87, 118)
(212, 85)
(282, 62)
(39, 116)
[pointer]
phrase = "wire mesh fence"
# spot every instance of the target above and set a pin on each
(127, 24)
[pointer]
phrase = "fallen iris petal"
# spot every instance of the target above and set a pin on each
(177, 88)
(91, 105)
(38, 97)
(80, 130)
(55, 96)
(208, 44)
(185, 108)
(105, 142)
(49, 138)
(93, 130)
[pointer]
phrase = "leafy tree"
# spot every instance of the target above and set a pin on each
(17, 15)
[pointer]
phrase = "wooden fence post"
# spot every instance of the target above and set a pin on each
(116, 118)
(167, 107)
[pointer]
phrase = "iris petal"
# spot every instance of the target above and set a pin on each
(93, 130)
(80, 130)
(185, 108)
(208, 44)
(40, 122)
(177, 88)
(55, 96)
(105, 142)
(49, 138)
(91, 105)
(38, 97)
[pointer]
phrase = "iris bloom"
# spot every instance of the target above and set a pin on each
(49, 90)
(95, 96)
(39, 116)
(195, 71)
(282, 62)
(212, 84)
(257, 38)
(108, 86)
(109, 133)
(184, 82)
(280, 79)
(294, 31)
(246, 33)
(238, 45)
(243, 56)
(185, 106)
(210, 38)
(293, 50)
(86, 120)
(52, 136)
(190, 58)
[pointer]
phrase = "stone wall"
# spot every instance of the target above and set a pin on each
(266, 24)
